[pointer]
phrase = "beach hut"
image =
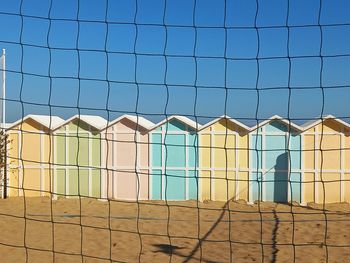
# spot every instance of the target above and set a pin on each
(275, 161)
(77, 156)
(223, 161)
(125, 158)
(30, 155)
(173, 159)
(326, 155)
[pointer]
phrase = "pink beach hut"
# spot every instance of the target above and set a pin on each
(125, 158)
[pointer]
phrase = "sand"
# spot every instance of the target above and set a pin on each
(88, 230)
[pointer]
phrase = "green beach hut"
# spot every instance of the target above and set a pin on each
(77, 156)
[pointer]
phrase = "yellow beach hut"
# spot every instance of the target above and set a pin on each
(223, 160)
(125, 158)
(77, 149)
(326, 155)
(30, 155)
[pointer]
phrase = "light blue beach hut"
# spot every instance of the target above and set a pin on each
(173, 159)
(275, 161)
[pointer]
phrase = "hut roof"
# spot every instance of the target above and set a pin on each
(234, 121)
(50, 122)
(280, 119)
(94, 121)
(182, 119)
(313, 123)
(141, 121)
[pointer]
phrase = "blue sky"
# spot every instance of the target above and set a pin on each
(197, 58)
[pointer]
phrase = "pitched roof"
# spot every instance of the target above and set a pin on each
(280, 119)
(313, 123)
(50, 122)
(6, 125)
(141, 121)
(182, 119)
(234, 121)
(94, 121)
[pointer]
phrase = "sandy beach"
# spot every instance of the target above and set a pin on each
(89, 230)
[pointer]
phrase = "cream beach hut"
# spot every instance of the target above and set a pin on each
(77, 149)
(224, 159)
(326, 155)
(30, 155)
(125, 158)
(174, 159)
(275, 161)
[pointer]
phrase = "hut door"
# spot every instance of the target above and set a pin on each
(277, 169)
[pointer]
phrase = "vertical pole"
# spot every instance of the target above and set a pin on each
(4, 192)
(3, 87)
(4, 187)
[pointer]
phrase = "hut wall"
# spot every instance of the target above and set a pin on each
(174, 162)
(125, 161)
(223, 162)
(29, 160)
(326, 163)
(275, 164)
(78, 160)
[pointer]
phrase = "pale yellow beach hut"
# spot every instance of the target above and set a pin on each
(326, 155)
(125, 158)
(224, 160)
(30, 155)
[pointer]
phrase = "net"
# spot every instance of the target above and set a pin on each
(175, 130)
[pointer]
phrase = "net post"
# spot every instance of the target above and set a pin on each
(3, 124)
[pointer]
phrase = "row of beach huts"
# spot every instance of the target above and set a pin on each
(132, 158)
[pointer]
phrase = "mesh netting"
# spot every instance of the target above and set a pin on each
(175, 130)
